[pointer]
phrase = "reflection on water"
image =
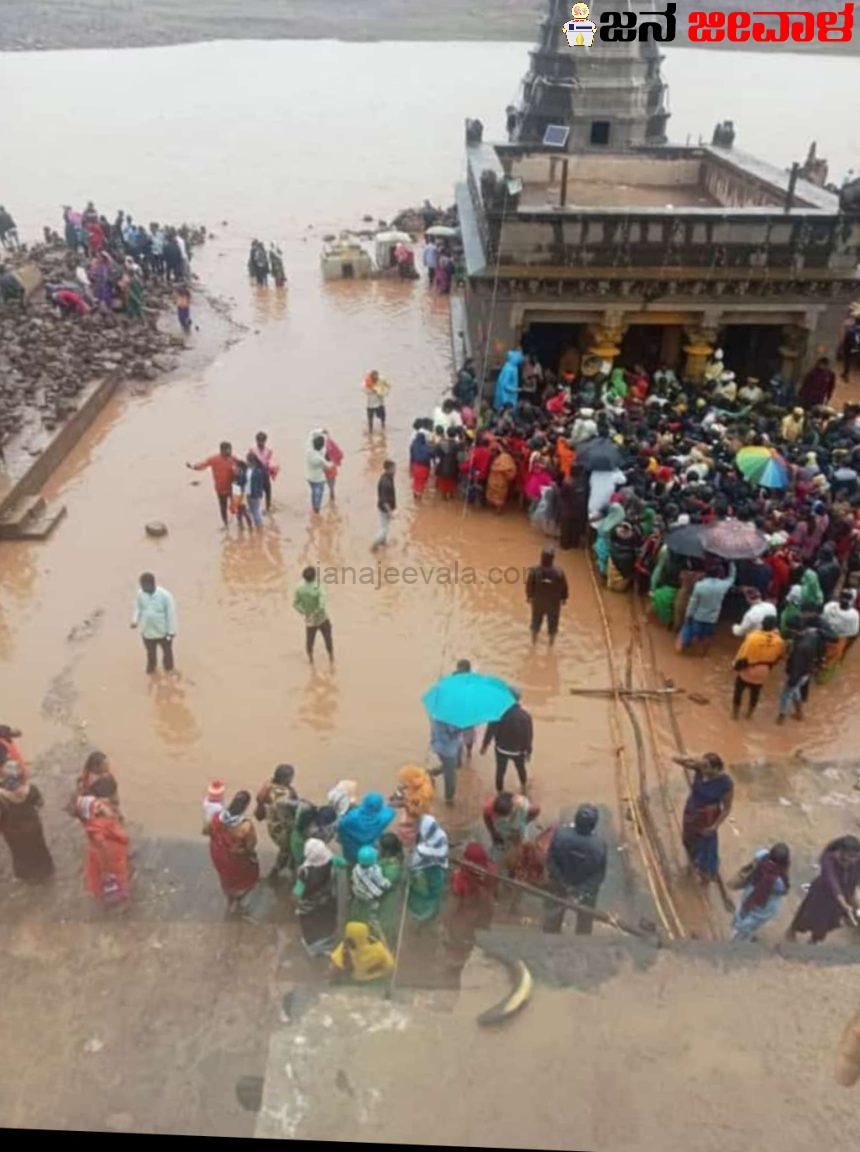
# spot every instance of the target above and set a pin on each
(318, 706)
(174, 720)
(252, 560)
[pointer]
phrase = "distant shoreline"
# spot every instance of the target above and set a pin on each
(33, 26)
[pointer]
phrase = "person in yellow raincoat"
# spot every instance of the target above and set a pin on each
(361, 955)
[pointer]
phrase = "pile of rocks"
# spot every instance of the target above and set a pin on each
(47, 361)
(418, 220)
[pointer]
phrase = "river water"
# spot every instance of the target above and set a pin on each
(289, 141)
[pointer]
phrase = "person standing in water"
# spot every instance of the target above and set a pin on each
(431, 260)
(375, 391)
(155, 615)
(386, 504)
(309, 602)
(708, 806)
(316, 465)
(576, 866)
(513, 734)
(546, 591)
(266, 458)
(223, 466)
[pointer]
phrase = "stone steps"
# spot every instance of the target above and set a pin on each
(30, 518)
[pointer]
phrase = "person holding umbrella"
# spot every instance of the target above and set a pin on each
(447, 742)
(458, 702)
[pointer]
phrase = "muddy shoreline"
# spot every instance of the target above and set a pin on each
(29, 25)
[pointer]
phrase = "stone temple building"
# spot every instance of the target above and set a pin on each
(586, 233)
(609, 99)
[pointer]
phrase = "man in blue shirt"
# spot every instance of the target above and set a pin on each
(703, 611)
(155, 615)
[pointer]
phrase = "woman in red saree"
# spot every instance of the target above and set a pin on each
(106, 872)
(472, 902)
(233, 847)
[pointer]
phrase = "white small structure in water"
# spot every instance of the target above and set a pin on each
(385, 244)
(346, 260)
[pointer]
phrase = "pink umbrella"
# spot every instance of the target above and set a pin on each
(734, 540)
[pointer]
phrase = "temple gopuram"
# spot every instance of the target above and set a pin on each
(586, 233)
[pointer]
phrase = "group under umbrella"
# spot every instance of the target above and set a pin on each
(763, 466)
(465, 699)
(729, 539)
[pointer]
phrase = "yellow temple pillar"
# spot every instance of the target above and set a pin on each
(697, 351)
(605, 341)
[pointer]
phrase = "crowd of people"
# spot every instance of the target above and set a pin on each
(355, 869)
(110, 264)
(636, 465)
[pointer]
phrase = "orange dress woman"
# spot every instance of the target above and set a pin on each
(106, 870)
(416, 795)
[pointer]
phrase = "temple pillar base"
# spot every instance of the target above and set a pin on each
(698, 349)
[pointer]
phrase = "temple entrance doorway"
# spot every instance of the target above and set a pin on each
(752, 350)
(559, 347)
(651, 345)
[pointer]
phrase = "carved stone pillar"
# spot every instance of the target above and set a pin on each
(697, 350)
(604, 340)
(791, 351)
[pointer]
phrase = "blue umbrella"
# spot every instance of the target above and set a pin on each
(464, 699)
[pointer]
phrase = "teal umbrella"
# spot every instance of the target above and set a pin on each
(464, 699)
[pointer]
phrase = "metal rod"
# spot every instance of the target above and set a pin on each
(563, 200)
(571, 905)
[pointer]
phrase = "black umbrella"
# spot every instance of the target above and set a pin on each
(599, 455)
(686, 541)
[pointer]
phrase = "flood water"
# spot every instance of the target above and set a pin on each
(287, 142)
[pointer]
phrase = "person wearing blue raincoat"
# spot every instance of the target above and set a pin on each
(508, 382)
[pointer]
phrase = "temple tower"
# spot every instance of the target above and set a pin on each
(611, 96)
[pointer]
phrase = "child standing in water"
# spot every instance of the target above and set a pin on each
(182, 295)
(239, 496)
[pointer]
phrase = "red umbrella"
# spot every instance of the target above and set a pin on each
(734, 540)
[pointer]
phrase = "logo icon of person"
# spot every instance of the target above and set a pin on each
(580, 31)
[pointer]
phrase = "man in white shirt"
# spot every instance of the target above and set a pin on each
(842, 618)
(758, 611)
(446, 415)
(155, 615)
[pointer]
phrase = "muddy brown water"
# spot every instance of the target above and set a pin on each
(289, 142)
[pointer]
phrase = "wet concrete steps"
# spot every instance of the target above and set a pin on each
(30, 518)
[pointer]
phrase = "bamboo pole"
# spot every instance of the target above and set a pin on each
(571, 905)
